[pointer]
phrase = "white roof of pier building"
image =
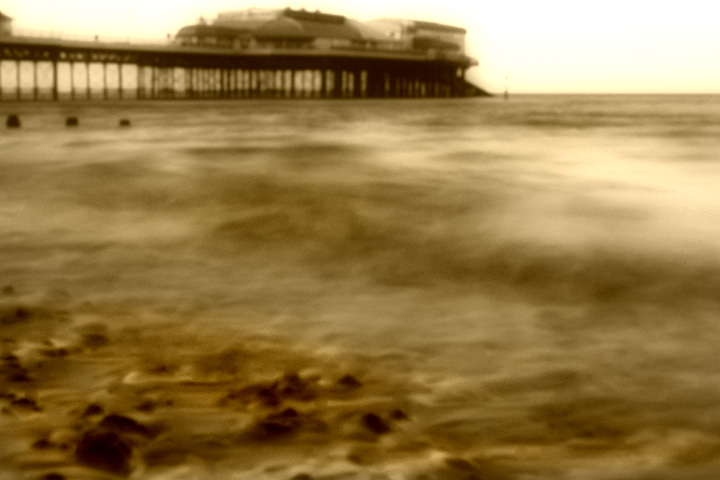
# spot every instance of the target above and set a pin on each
(312, 25)
(421, 34)
(286, 24)
(237, 27)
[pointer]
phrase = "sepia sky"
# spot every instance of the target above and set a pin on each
(555, 46)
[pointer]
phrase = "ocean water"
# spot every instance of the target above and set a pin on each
(523, 290)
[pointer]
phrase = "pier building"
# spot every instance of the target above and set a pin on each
(252, 53)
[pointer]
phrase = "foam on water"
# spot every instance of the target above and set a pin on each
(534, 283)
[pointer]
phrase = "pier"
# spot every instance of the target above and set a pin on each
(48, 69)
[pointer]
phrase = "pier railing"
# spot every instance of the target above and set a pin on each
(30, 33)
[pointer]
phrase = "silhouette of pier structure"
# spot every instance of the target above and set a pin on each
(293, 54)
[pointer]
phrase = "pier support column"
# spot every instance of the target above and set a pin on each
(279, 83)
(235, 83)
(372, 84)
(224, 83)
(222, 80)
(188, 82)
(72, 80)
(254, 83)
(35, 81)
(282, 83)
(105, 88)
(293, 91)
(18, 87)
(55, 80)
(323, 83)
(87, 81)
(120, 80)
(338, 86)
(139, 82)
(356, 84)
(243, 83)
(205, 83)
(227, 84)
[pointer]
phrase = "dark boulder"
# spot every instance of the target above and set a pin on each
(26, 404)
(14, 371)
(15, 315)
(92, 410)
(265, 394)
(280, 424)
(148, 406)
(105, 451)
(292, 386)
(56, 352)
(349, 382)
(13, 121)
(302, 476)
(398, 414)
(375, 424)
(95, 340)
(43, 444)
(53, 476)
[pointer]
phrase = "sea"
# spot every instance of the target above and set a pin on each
(430, 289)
